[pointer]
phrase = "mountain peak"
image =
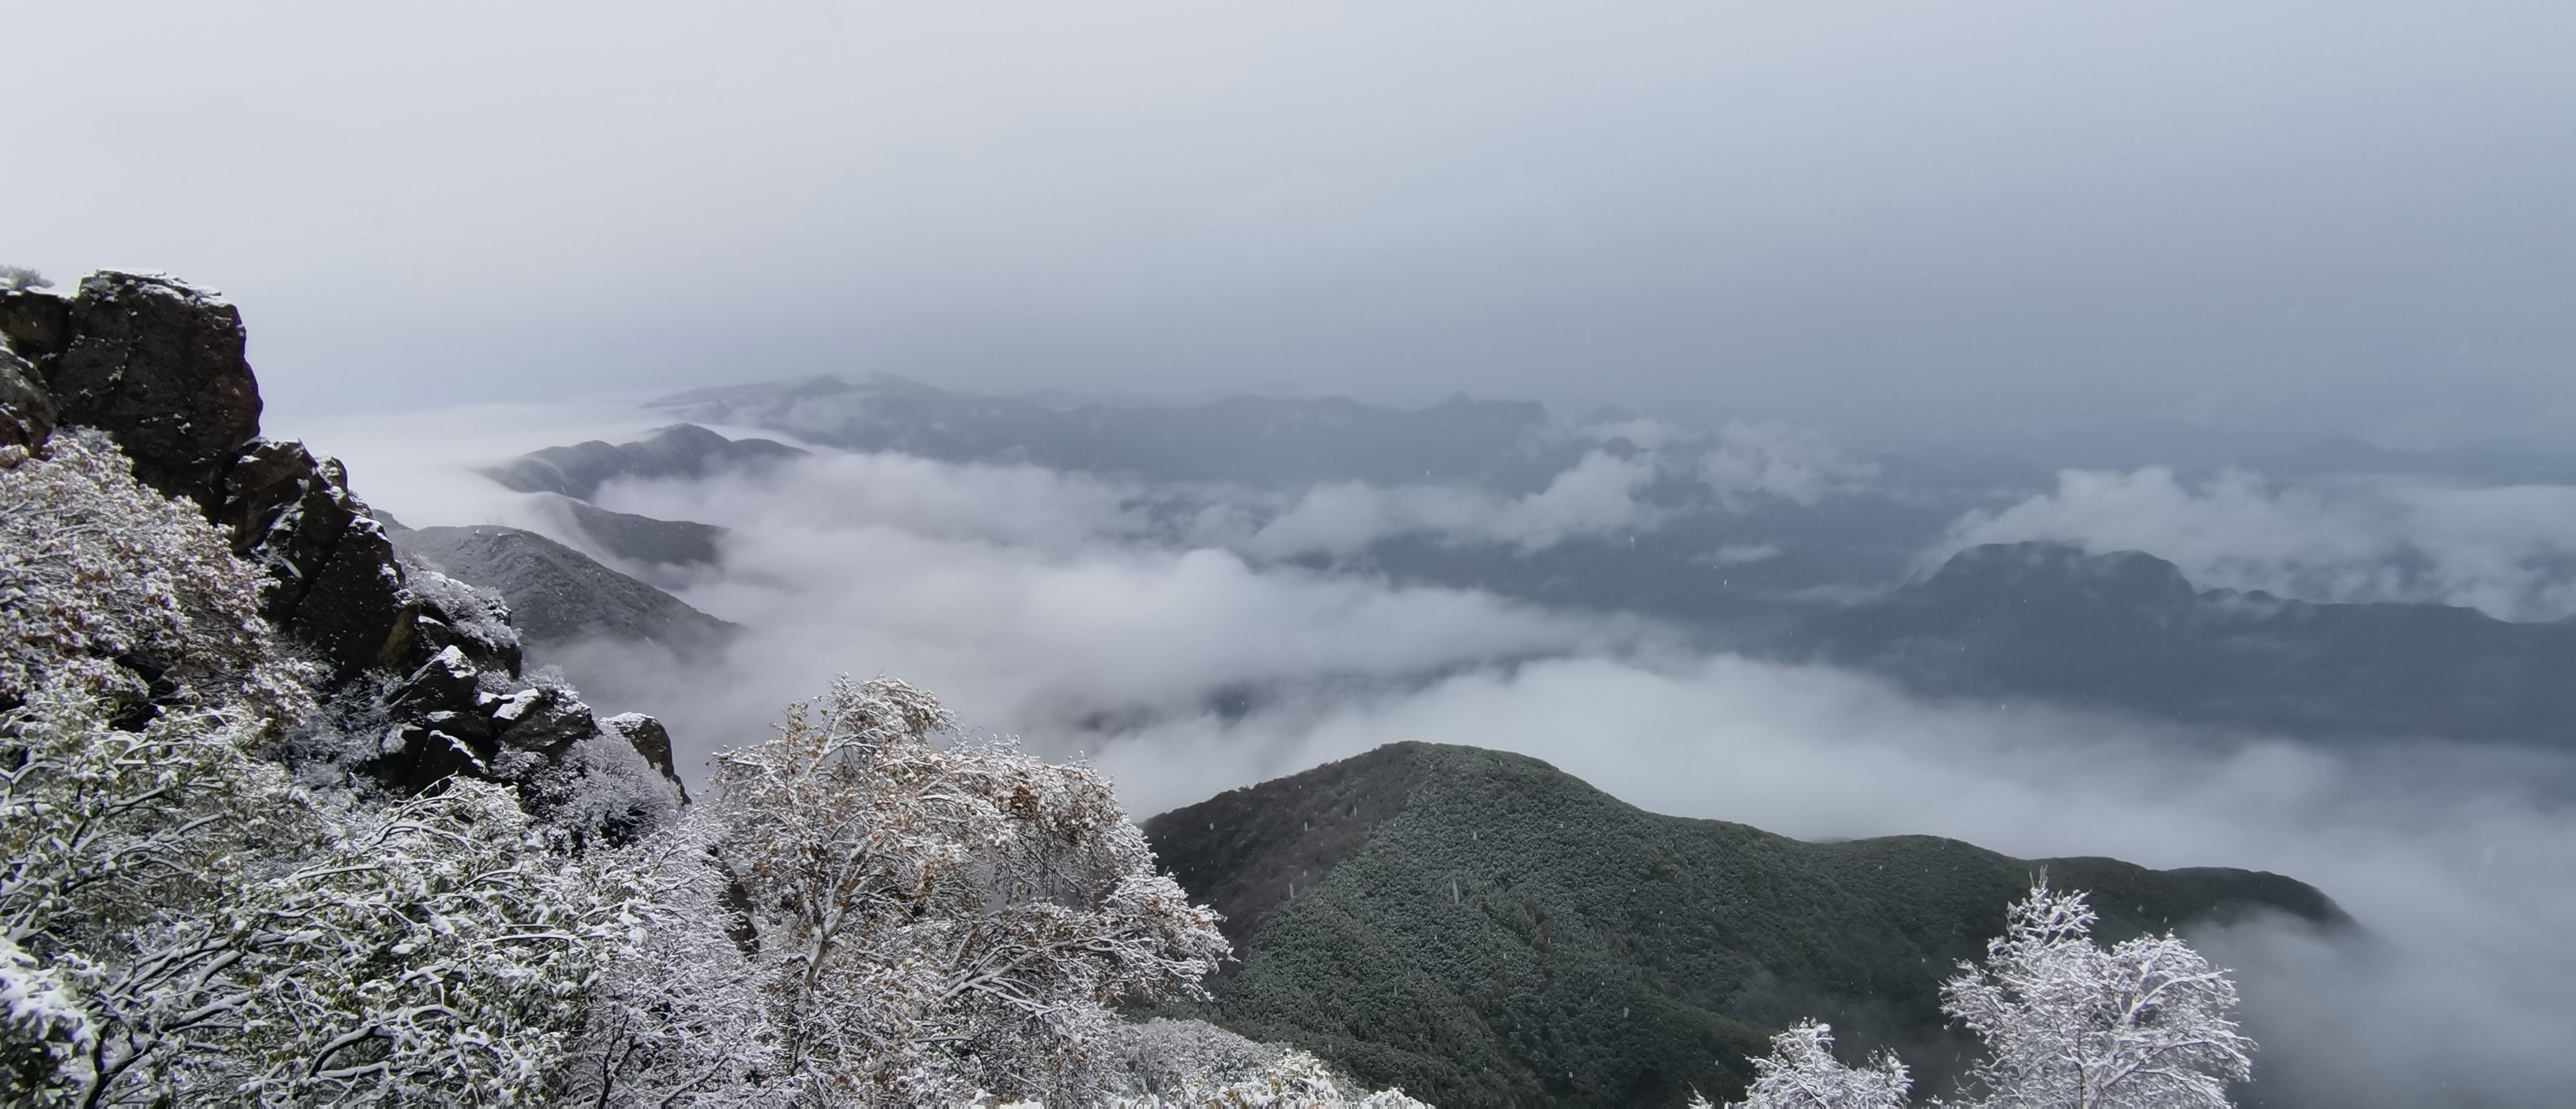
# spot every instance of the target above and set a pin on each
(1413, 913)
(2058, 572)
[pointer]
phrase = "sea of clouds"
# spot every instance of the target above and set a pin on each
(1159, 634)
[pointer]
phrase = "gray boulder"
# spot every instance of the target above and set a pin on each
(545, 721)
(442, 726)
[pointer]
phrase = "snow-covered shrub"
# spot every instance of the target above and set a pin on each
(1802, 1073)
(602, 791)
(939, 923)
(1189, 1063)
(218, 928)
(110, 585)
(2144, 1024)
(1159, 1058)
(114, 844)
(2147, 1022)
(44, 1029)
(441, 950)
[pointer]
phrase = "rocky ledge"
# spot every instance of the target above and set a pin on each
(158, 365)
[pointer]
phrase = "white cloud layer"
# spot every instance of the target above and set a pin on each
(1087, 615)
(1040, 603)
(2509, 551)
(1597, 496)
(1793, 463)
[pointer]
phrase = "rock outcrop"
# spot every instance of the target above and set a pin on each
(158, 366)
(155, 363)
(334, 580)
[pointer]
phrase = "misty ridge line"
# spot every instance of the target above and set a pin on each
(2343, 522)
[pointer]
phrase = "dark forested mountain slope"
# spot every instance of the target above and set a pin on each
(1483, 929)
(558, 595)
(643, 539)
(2127, 631)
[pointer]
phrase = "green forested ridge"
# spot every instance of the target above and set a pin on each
(1483, 929)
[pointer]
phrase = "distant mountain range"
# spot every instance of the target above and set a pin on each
(1256, 440)
(1483, 929)
(680, 451)
(2128, 631)
(2123, 631)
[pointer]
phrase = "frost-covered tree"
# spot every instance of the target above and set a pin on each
(2146, 1023)
(680, 1018)
(14, 278)
(937, 923)
(135, 674)
(1802, 1073)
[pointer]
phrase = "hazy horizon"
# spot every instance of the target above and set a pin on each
(1903, 223)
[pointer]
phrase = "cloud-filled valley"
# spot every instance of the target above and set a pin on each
(2506, 550)
(1174, 634)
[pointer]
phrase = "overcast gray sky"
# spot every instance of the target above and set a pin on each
(1904, 221)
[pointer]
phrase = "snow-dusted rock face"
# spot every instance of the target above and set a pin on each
(333, 578)
(157, 365)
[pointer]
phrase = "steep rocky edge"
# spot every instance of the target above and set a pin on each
(158, 365)
(2127, 631)
(1483, 929)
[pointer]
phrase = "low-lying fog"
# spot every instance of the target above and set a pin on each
(1179, 651)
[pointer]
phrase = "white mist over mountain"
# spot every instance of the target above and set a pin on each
(1103, 617)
